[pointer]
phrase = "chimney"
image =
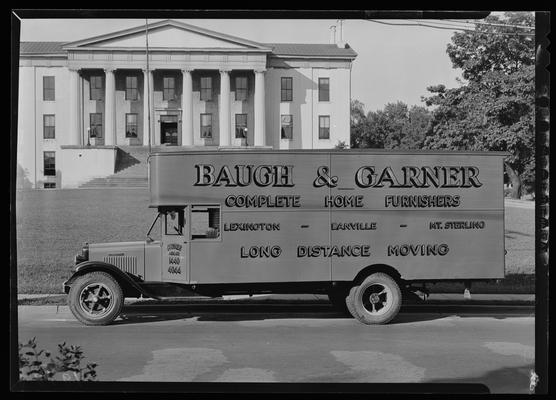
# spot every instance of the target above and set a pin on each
(340, 43)
(332, 34)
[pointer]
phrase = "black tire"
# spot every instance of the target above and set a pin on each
(338, 299)
(99, 308)
(350, 302)
(377, 300)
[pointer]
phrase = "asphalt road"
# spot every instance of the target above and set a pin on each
(494, 346)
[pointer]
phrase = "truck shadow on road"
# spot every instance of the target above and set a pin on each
(138, 315)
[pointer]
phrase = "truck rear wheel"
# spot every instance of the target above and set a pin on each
(377, 300)
(96, 298)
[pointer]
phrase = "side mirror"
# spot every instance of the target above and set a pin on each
(149, 239)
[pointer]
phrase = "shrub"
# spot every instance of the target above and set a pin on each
(39, 365)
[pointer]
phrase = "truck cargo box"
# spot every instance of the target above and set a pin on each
(311, 215)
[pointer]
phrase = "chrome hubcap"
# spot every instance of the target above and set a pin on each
(95, 300)
(377, 299)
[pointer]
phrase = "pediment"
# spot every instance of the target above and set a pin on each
(167, 34)
(170, 37)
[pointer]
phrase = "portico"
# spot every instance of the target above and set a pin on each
(185, 83)
(185, 102)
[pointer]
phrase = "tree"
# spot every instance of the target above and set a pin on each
(492, 47)
(358, 123)
(416, 128)
(394, 117)
(398, 126)
(494, 110)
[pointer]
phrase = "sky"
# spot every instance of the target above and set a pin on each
(394, 63)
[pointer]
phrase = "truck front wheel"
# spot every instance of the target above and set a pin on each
(96, 298)
(376, 300)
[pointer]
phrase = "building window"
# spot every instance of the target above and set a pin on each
(131, 125)
(205, 222)
(96, 87)
(324, 89)
(95, 123)
(286, 89)
(241, 88)
(131, 92)
(49, 163)
(241, 126)
(206, 126)
(206, 88)
(324, 126)
(50, 185)
(287, 126)
(49, 126)
(169, 88)
(48, 89)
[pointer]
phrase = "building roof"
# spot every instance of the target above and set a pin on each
(311, 50)
(278, 49)
(41, 48)
(294, 50)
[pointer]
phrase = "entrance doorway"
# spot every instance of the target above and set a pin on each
(169, 129)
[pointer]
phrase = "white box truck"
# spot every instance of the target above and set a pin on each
(365, 227)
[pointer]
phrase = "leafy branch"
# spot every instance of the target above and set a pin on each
(38, 365)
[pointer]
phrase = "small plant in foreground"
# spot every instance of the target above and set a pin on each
(38, 365)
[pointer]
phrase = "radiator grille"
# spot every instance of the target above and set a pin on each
(125, 263)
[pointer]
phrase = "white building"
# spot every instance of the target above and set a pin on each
(79, 102)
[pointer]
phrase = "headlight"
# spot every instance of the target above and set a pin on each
(84, 256)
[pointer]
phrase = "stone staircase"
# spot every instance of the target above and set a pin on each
(131, 170)
(131, 167)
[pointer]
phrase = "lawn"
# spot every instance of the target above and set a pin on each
(520, 240)
(53, 224)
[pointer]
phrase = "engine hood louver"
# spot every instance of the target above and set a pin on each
(125, 263)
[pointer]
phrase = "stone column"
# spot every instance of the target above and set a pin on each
(110, 108)
(147, 81)
(74, 137)
(187, 107)
(224, 109)
(259, 109)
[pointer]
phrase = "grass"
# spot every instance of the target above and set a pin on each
(520, 240)
(52, 226)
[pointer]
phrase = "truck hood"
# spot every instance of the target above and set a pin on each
(127, 256)
(115, 247)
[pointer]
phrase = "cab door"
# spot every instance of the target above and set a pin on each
(175, 247)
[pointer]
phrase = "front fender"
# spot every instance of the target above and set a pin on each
(123, 278)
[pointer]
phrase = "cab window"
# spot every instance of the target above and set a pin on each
(205, 222)
(174, 223)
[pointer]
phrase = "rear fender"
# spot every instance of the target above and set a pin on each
(371, 269)
(128, 282)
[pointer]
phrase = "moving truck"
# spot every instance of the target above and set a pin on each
(364, 227)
